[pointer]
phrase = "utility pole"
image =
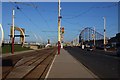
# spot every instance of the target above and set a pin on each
(94, 36)
(13, 16)
(59, 22)
(104, 33)
(88, 35)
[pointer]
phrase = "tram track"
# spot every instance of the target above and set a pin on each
(32, 63)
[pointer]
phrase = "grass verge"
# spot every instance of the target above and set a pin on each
(7, 48)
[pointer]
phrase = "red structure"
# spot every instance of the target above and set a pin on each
(13, 45)
(59, 46)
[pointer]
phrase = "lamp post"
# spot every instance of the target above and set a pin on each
(104, 33)
(59, 22)
(13, 14)
(94, 36)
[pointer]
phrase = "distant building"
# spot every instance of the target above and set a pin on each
(115, 39)
(118, 37)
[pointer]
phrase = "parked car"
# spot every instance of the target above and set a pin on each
(90, 48)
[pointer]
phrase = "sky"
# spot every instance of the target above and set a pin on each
(39, 19)
(61, 0)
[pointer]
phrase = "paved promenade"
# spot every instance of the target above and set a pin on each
(66, 66)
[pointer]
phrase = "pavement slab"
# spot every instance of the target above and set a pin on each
(66, 66)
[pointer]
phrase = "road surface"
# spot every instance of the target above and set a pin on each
(104, 66)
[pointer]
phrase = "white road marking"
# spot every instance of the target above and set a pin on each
(50, 68)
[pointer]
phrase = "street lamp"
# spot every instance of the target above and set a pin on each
(104, 33)
(13, 15)
(59, 22)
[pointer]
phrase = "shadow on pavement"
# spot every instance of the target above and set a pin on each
(7, 62)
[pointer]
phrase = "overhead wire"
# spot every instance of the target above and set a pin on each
(36, 8)
(71, 22)
(65, 19)
(28, 18)
(18, 8)
(89, 9)
(79, 14)
(43, 18)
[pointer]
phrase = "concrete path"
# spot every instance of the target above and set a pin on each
(66, 66)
